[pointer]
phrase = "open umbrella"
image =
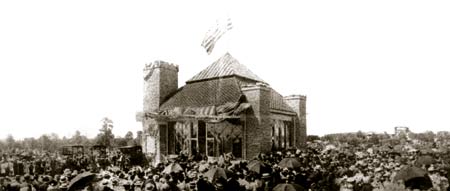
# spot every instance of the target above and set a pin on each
(257, 166)
(288, 187)
(203, 166)
(414, 177)
(215, 173)
(425, 160)
(289, 163)
(172, 167)
(81, 181)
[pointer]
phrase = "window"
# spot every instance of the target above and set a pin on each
(171, 138)
(237, 148)
(210, 140)
(194, 147)
(193, 130)
(210, 147)
(201, 137)
(163, 138)
(290, 133)
(193, 138)
(280, 136)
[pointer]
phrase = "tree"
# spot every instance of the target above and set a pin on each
(329, 138)
(129, 138)
(374, 139)
(45, 142)
(443, 136)
(30, 143)
(427, 136)
(360, 135)
(76, 138)
(129, 135)
(10, 142)
(138, 139)
(106, 137)
(120, 142)
(311, 138)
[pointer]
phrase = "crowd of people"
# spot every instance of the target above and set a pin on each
(319, 166)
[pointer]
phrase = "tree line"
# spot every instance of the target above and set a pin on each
(360, 137)
(52, 142)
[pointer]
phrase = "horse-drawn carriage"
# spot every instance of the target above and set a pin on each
(132, 155)
(70, 150)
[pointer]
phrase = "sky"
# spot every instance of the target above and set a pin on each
(363, 65)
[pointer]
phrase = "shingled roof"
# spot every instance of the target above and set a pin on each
(277, 102)
(225, 66)
(218, 84)
(205, 93)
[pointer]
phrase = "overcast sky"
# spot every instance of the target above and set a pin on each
(363, 65)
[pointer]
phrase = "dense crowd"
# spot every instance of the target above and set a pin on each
(319, 166)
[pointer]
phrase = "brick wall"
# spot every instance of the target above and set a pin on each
(257, 127)
(298, 104)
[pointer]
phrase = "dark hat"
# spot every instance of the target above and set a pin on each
(27, 177)
(46, 179)
(107, 176)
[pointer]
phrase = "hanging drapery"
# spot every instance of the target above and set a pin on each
(211, 114)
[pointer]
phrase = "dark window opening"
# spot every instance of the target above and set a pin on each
(201, 137)
(237, 148)
(172, 142)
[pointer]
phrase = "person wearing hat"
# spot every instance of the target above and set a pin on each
(53, 186)
(435, 177)
(26, 184)
(138, 184)
(44, 183)
(63, 182)
(266, 181)
(67, 172)
(149, 186)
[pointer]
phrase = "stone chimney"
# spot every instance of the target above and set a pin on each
(298, 104)
(257, 124)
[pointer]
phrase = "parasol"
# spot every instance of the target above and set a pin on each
(414, 177)
(173, 167)
(215, 173)
(257, 166)
(288, 187)
(289, 163)
(81, 181)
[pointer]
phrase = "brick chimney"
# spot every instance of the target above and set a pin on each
(298, 104)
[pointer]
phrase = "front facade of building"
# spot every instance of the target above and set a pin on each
(223, 109)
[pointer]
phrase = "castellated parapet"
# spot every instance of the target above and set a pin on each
(160, 80)
(161, 64)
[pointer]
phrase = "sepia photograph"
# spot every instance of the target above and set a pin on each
(224, 95)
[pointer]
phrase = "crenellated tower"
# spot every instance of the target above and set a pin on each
(160, 81)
